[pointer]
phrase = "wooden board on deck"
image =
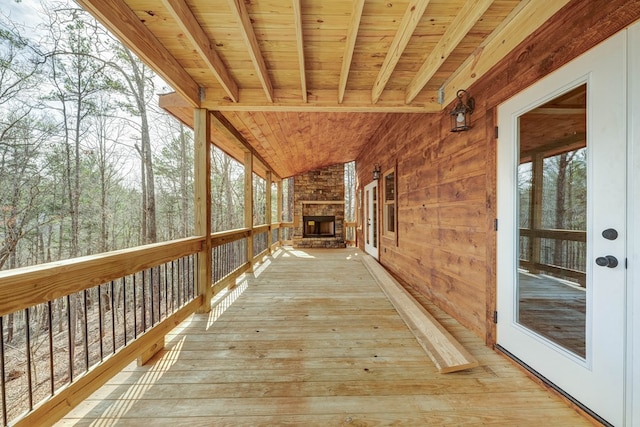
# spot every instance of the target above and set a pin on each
(444, 350)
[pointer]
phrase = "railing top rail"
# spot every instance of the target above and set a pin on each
(28, 286)
(260, 229)
(236, 232)
(553, 233)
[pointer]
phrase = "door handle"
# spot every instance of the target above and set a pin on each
(607, 261)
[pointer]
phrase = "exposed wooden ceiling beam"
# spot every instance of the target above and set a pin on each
(409, 22)
(527, 17)
(297, 14)
(194, 32)
(323, 100)
(470, 13)
(350, 43)
(125, 24)
(249, 36)
(319, 101)
(562, 145)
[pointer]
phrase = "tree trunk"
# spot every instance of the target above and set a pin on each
(148, 163)
(143, 190)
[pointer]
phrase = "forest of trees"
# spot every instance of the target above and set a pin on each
(564, 207)
(88, 162)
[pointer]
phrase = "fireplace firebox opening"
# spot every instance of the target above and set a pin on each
(319, 226)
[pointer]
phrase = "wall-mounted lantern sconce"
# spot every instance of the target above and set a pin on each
(376, 172)
(461, 114)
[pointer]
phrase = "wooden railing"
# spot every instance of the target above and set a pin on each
(124, 302)
(350, 233)
(76, 323)
(286, 232)
(534, 259)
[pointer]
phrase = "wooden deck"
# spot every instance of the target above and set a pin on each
(312, 340)
(554, 309)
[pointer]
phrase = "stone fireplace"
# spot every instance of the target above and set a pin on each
(319, 208)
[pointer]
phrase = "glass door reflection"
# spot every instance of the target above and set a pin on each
(552, 190)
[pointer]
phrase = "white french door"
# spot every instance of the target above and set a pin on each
(371, 219)
(562, 227)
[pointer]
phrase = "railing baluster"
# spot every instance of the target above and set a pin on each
(166, 293)
(70, 337)
(51, 355)
(85, 330)
(100, 321)
(124, 309)
(151, 286)
(179, 281)
(194, 267)
(27, 326)
(144, 303)
(135, 308)
(3, 377)
(113, 316)
(159, 283)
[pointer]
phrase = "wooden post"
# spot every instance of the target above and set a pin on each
(537, 170)
(279, 212)
(268, 215)
(248, 204)
(202, 201)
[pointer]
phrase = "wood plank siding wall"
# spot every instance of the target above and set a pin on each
(446, 182)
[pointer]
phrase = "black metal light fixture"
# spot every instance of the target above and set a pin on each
(461, 114)
(376, 172)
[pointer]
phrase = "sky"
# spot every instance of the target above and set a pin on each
(25, 12)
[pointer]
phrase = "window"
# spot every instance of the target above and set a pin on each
(389, 213)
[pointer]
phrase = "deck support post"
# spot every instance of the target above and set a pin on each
(202, 202)
(537, 169)
(248, 204)
(268, 216)
(279, 212)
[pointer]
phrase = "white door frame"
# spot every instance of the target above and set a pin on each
(370, 226)
(604, 364)
(633, 228)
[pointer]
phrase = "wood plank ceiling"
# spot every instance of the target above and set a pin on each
(306, 82)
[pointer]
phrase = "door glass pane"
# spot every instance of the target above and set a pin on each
(552, 187)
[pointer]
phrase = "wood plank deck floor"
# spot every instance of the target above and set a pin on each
(312, 340)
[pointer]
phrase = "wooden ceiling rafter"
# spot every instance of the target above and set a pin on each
(523, 20)
(464, 21)
(410, 21)
(191, 28)
(125, 24)
(253, 48)
(350, 44)
(297, 16)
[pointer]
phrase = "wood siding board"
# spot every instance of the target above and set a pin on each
(491, 236)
